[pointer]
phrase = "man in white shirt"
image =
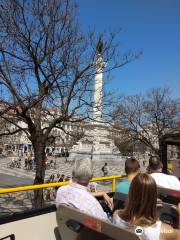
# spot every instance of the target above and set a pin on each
(161, 179)
(77, 195)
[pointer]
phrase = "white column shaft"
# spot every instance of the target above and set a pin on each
(97, 109)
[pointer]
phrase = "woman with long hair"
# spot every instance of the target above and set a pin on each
(140, 215)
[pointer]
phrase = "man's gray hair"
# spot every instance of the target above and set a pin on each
(83, 169)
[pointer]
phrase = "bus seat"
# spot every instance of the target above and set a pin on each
(57, 234)
(9, 237)
(76, 225)
(169, 195)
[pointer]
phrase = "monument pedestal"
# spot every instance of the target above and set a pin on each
(97, 145)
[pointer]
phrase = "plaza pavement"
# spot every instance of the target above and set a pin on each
(15, 176)
(22, 201)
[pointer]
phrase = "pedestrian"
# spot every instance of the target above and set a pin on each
(48, 195)
(51, 163)
(54, 164)
(52, 177)
(61, 179)
(12, 162)
(30, 162)
(26, 161)
(57, 177)
(105, 169)
(19, 162)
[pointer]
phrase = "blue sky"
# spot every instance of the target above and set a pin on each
(151, 25)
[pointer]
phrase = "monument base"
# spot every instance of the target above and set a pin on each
(97, 145)
(99, 157)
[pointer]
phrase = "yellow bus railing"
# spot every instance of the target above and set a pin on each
(57, 184)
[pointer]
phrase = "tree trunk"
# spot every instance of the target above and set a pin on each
(39, 152)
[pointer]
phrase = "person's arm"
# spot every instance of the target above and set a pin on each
(107, 199)
(159, 203)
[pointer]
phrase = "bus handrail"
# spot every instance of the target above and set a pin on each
(57, 184)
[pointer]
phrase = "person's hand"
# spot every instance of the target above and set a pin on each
(108, 201)
(159, 203)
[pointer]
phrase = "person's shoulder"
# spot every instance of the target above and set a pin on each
(63, 188)
(123, 186)
(158, 175)
(124, 182)
(166, 176)
(174, 178)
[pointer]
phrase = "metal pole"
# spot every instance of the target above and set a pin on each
(113, 184)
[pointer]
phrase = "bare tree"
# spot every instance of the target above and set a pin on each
(125, 143)
(47, 67)
(148, 117)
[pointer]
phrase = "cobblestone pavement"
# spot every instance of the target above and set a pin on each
(62, 167)
(15, 202)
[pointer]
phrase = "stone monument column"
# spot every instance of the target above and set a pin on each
(98, 84)
(96, 142)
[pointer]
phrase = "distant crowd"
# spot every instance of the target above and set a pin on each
(28, 162)
(58, 178)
